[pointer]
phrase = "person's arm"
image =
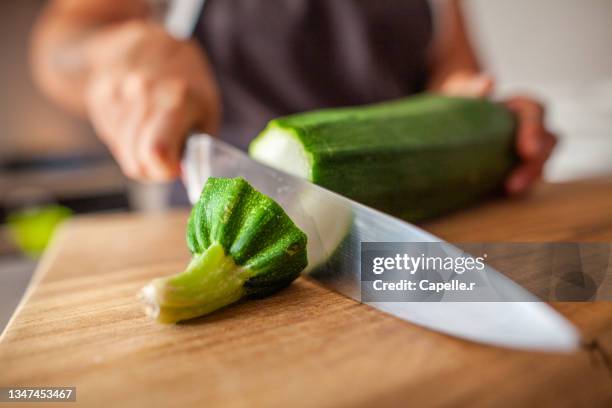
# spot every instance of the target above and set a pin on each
(455, 71)
(142, 89)
(454, 66)
(61, 39)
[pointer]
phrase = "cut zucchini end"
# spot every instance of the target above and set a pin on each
(211, 281)
(282, 149)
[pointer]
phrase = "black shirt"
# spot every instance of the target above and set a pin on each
(275, 57)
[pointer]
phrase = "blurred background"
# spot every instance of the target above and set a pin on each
(52, 165)
(561, 52)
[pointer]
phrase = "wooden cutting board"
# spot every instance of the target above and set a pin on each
(82, 325)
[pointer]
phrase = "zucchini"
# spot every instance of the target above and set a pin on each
(243, 245)
(414, 158)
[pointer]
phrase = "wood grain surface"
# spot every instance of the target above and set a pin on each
(81, 325)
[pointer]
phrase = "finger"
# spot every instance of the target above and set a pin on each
(480, 86)
(159, 149)
(136, 94)
(523, 177)
(530, 127)
(108, 112)
(136, 91)
(101, 99)
(469, 85)
(549, 141)
(127, 161)
(136, 85)
(526, 174)
(123, 149)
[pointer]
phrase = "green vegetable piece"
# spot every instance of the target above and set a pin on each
(33, 228)
(243, 245)
(414, 158)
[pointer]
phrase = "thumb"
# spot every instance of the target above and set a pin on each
(469, 85)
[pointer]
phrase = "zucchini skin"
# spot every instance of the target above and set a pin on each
(252, 229)
(414, 158)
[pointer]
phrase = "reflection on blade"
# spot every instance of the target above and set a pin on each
(336, 227)
(522, 325)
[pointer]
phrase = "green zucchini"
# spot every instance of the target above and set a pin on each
(243, 245)
(414, 158)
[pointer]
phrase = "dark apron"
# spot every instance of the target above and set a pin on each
(275, 57)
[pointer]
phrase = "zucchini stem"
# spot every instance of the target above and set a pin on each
(211, 281)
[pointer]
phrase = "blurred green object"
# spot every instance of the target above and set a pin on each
(32, 228)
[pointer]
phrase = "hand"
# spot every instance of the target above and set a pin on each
(147, 91)
(534, 143)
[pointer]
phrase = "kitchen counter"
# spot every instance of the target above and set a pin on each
(82, 325)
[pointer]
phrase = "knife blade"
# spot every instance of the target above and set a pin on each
(329, 219)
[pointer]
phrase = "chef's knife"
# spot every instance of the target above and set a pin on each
(329, 219)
